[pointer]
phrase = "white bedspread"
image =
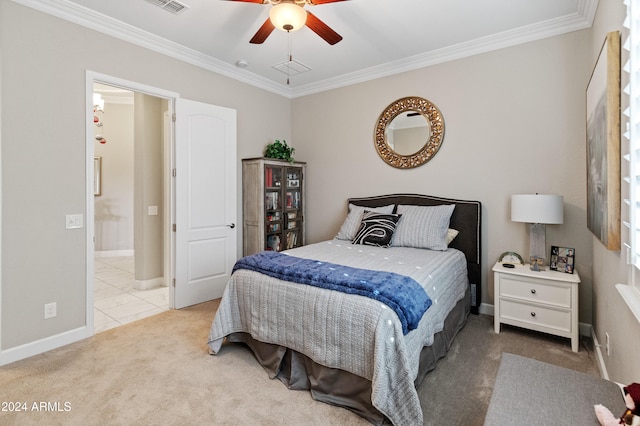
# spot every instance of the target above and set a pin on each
(349, 332)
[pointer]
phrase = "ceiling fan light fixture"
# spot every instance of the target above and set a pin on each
(288, 16)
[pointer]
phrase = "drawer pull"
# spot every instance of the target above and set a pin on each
(533, 291)
(533, 314)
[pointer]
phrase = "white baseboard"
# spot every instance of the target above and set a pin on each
(485, 309)
(43, 345)
(114, 253)
(149, 284)
(599, 358)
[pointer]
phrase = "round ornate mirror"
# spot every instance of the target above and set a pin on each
(409, 132)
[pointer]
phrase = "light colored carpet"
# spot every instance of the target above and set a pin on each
(458, 391)
(530, 391)
(158, 371)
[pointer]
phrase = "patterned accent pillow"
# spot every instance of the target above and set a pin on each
(451, 235)
(376, 229)
(352, 222)
(423, 226)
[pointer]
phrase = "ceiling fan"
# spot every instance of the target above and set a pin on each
(290, 15)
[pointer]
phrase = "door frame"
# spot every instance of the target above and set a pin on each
(92, 77)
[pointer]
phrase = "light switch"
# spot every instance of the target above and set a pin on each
(74, 221)
(153, 210)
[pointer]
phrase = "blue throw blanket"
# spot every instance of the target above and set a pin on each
(401, 293)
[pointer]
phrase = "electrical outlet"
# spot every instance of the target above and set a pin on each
(606, 335)
(50, 310)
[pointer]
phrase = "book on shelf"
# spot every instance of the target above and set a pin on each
(268, 176)
(273, 216)
(271, 200)
(292, 238)
(272, 177)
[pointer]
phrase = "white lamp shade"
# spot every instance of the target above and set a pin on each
(537, 208)
(288, 14)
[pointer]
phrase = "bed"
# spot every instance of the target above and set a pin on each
(354, 351)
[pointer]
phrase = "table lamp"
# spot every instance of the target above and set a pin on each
(538, 210)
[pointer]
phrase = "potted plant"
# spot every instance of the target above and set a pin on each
(280, 150)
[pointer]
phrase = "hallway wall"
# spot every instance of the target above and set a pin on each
(114, 208)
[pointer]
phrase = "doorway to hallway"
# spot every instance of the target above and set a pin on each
(129, 282)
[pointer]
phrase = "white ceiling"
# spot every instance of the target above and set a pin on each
(380, 37)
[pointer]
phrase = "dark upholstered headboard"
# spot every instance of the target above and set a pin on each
(466, 218)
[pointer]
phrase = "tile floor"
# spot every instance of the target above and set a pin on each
(116, 301)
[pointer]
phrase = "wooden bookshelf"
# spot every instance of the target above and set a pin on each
(273, 204)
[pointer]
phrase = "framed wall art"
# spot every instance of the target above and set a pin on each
(603, 145)
(563, 259)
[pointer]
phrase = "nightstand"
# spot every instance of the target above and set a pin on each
(545, 301)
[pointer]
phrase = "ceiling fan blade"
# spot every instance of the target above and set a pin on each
(265, 30)
(317, 2)
(322, 29)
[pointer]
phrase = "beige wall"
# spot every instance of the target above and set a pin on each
(42, 79)
(149, 186)
(610, 314)
(114, 208)
(514, 124)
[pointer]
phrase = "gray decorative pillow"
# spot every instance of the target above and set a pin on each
(376, 229)
(352, 222)
(423, 226)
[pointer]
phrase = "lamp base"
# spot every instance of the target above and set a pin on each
(537, 264)
(537, 246)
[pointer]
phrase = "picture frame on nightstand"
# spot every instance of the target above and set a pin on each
(562, 259)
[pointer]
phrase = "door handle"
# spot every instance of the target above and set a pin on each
(233, 225)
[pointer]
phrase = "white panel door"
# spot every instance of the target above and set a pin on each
(205, 197)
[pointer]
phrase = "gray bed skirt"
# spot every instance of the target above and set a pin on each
(339, 387)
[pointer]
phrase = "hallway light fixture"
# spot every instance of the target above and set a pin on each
(98, 102)
(98, 106)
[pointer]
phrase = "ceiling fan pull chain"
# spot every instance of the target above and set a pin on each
(289, 56)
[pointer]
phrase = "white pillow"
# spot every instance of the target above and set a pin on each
(423, 226)
(352, 222)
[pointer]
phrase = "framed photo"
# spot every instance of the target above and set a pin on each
(603, 145)
(563, 259)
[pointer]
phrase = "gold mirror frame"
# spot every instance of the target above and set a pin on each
(436, 123)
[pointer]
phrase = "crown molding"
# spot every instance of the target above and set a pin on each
(91, 19)
(580, 20)
(88, 18)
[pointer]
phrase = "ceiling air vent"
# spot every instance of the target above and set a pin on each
(291, 67)
(172, 6)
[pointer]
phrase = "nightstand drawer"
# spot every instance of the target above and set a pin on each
(533, 290)
(535, 317)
